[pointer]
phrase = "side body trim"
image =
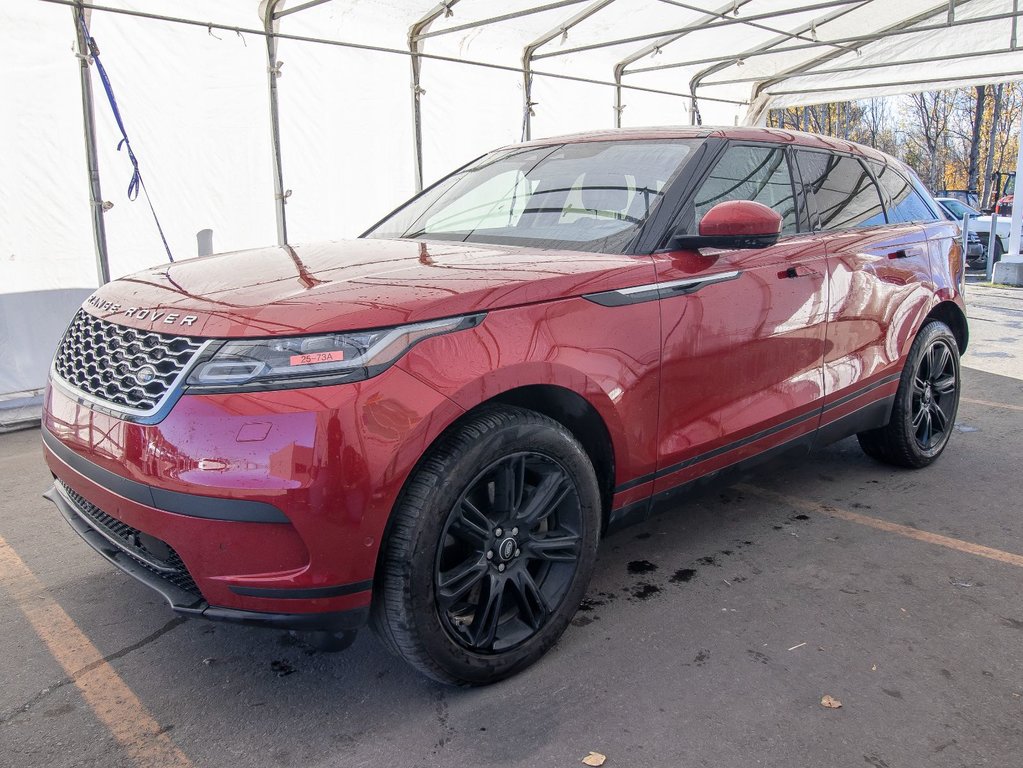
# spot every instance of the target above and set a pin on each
(654, 291)
(718, 451)
(868, 416)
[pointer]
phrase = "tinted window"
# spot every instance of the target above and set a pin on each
(590, 196)
(958, 209)
(753, 173)
(842, 190)
(903, 202)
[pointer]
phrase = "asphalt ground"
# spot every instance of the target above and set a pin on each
(708, 638)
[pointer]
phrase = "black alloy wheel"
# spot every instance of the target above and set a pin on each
(924, 412)
(509, 550)
(490, 547)
(935, 395)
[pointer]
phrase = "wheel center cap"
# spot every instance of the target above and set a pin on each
(506, 549)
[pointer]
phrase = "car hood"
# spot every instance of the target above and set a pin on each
(354, 284)
(983, 224)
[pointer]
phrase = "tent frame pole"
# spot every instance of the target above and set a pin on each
(99, 230)
(415, 43)
(901, 27)
(856, 41)
(711, 24)
(769, 46)
(273, 73)
(497, 19)
(528, 53)
(655, 47)
(1016, 220)
(869, 67)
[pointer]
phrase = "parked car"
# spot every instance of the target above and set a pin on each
(430, 428)
(976, 248)
(980, 224)
(968, 196)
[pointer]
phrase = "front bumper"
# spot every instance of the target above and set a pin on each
(272, 505)
(175, 583)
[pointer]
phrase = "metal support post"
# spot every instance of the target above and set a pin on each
(619, 107)
(273, 68)
(1017, 208)
(99, 231)
(1010, 269)
(527, 95)
(992, 242)
(415, 45)
(529, 52)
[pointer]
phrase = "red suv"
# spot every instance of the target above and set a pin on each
(431, 427)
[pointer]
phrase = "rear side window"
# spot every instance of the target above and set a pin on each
(841, 189)
(902, 200)
(753, 173)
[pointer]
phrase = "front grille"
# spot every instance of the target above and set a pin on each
(158, 557)
(130, 369)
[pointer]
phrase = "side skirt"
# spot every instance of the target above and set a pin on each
(660, 502)
(870, 416)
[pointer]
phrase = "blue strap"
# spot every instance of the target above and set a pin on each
(136, 182)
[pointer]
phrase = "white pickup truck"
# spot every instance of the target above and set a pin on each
(980, 224)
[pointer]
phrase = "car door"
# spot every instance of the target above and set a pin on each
(878, 283)
(742, 331)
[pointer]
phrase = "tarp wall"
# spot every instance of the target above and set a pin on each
(195, 104)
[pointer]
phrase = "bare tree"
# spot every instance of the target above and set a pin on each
(932, 111)
(978, 125)
(996, 116)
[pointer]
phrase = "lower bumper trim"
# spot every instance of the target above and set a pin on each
(308, 593)
(191, 605)
(336, 621)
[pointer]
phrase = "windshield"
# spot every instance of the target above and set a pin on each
(958, 209)
(588, 196)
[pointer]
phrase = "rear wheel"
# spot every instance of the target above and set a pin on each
(926, 403)
(490, 550)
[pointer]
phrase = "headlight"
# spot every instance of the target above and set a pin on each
(305, 361)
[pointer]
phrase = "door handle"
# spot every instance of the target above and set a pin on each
(798, 271)
(905, 253)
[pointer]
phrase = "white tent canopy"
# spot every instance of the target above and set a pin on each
(354, 79)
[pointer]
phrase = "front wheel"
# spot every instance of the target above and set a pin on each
(490, 549)
(926, 403)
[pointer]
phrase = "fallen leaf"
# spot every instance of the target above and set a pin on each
(594, 758)
(830, 702)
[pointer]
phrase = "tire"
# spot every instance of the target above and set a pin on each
(926, 403)
(999, 251)
(490, 548)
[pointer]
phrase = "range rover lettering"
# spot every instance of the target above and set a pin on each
(430, 428)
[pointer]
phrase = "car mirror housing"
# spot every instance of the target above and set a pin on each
(732, 225)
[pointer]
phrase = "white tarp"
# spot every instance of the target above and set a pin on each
(195, 104)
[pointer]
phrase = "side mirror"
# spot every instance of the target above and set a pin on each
(732, 225)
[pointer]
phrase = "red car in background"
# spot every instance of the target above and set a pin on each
(431, 427)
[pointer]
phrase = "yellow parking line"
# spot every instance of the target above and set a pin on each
(884, 525)
(991, 403)
(112, 701)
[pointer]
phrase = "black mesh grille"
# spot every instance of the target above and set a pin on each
(125, 367)
(171, 569)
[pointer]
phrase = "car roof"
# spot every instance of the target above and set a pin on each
(742, 133)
